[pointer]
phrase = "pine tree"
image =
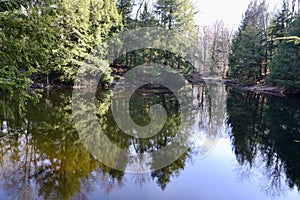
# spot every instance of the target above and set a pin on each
(125, 9)
(47, 38)
(147, 19)
(285, 66)
(176, 14)
(248, 57)
(278, 27)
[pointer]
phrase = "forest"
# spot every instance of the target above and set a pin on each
(43, 42)
(265, 49)
(229, 132)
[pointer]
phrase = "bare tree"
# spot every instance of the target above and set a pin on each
(215, 44)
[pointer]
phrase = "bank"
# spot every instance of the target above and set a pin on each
(264, 89)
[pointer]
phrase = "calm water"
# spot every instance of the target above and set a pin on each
(247, 147)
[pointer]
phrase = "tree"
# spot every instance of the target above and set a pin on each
(147, 18)
(278, 27)
(125, 9)
(26, 44)
(176, 14)
(50, 39)
(248, 57)
(285, 69)
(215, 46)
(84, 24)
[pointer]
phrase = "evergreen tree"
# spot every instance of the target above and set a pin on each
(147, 19)
(248, 56)
(285, 66)
(84, 25)
(176, 14)
(50, 38)
(278, 27)
(125, 9)
(26, 44)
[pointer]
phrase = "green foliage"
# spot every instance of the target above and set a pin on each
(50, 39)
(84, 25)
(278, 28)
(245, 59)
(147, 19)
(248, 52)
(294, 39)
(125, 9)
(176, 14)
(25, 47)
(273, 50)
(285, 65)
(47, 41)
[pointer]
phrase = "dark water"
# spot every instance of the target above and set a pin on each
(247, 147)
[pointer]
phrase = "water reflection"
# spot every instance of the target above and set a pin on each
(42, 157)
(265, 138)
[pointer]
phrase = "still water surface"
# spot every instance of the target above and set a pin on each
(253, 150)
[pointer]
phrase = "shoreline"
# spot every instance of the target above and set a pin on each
(263, 89)
(259, 88)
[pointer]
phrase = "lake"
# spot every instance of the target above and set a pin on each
(243, 145)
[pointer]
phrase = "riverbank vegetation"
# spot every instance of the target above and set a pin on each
(43, 42)
(265, 49)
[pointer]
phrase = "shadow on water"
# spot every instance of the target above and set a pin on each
(266, 137)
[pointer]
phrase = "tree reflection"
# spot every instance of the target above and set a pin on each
(265, 133)
(42, 156)
(141, 101)
(163, 176)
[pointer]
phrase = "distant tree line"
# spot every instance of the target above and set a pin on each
(265, 49)
(214, 43)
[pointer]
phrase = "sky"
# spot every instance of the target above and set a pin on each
(229, 11)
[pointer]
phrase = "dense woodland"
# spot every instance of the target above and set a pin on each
(265, 49)
(43, 42)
